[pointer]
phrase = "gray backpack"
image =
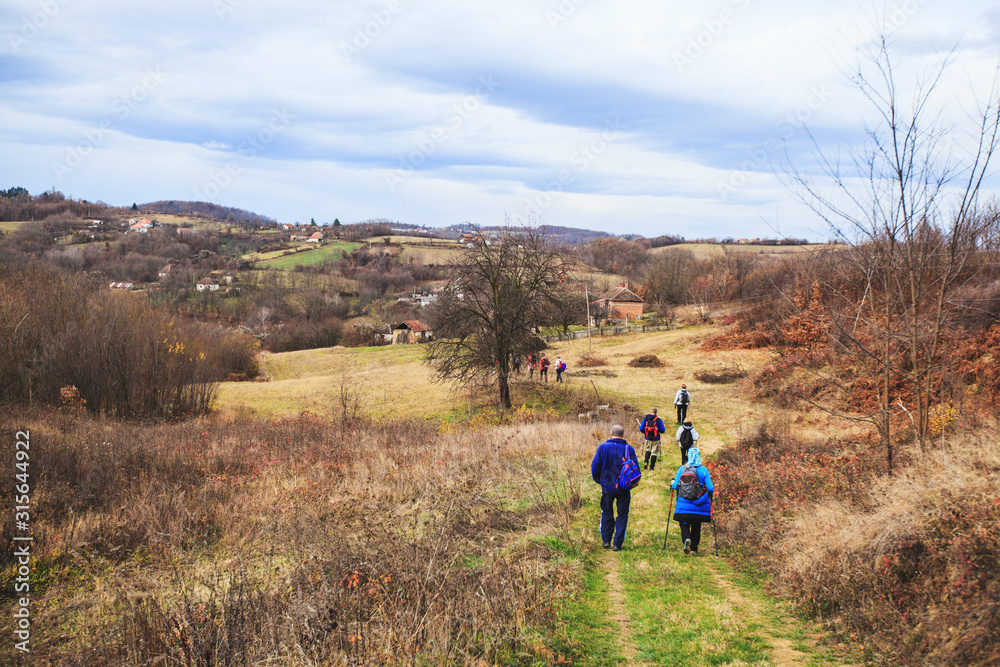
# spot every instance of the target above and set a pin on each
(688, 487)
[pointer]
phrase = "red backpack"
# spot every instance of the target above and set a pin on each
(649, 428)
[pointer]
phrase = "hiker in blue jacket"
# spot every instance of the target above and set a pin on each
(605, 468)
(651, 427)
(695, 491)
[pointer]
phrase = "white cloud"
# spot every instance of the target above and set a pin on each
(166, 95)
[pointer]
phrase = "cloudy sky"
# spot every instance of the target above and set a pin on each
(647, 117)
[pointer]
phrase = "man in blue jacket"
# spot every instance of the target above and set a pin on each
(651, 427)
(605, 468)
(694, 499)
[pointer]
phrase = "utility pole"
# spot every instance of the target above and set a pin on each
(586, 291)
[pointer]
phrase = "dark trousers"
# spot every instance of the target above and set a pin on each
(691, 531)
(558, 375)
(610, 526)
(684, 455)
(682, 413)
(543, 374)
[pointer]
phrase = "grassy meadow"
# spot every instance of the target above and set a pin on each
(704, 251)
(395, 381)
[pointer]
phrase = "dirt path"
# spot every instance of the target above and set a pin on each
(618, 611)
(783, 652)
(782, 640)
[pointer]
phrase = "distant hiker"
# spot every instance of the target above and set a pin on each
(651, 427)
(687, 437)
(560, 369)
(531, 365)
(606, 469)
(695, 492)
(543, 368)
(682, 399)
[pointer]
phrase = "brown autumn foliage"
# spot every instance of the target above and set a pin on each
(904, 565)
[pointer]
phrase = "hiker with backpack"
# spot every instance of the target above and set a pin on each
(687, 437)
(543, 368)
(531, 365)
(651, 427)
(695, 492)
(560, 369)
(616, 468)
(682, 399)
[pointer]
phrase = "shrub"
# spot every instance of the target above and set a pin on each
(646, 361)
(721, 375)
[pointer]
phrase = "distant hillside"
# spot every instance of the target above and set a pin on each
(566, 235)
(208, 211)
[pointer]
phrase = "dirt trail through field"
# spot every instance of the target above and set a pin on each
(720, 413)
(617, 609)
(772, 625)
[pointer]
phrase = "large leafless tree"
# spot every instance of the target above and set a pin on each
(909, 207)
(499, 291)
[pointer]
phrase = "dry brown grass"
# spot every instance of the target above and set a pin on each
(296, 541)
(918, 572)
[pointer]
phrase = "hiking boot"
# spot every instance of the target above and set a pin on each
(607, 545)
(687, 547)
(617, 549)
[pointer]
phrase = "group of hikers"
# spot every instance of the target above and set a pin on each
(542, 363)
(616, 468)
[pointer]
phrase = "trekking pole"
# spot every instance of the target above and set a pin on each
(714, 533)
(669, 511)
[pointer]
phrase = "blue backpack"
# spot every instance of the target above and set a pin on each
(630, 474)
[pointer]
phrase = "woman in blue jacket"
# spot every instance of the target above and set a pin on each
(694, 499)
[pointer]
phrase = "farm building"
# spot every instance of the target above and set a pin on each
(622, 304)
(411, 331)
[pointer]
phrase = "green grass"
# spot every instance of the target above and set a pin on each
(314, 255)
(588, 634)
(8, 227)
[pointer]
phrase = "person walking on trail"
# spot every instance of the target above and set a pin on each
(687, 437)
(695, 492)
(605, 469)
(543, 368)
(651, 427)
(560, 368)
(682, 399)
(531, 365)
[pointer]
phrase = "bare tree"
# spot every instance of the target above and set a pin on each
(485, 318)
(908, 207)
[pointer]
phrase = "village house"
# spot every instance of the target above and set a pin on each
(317, 237)
(622, 304)
(207, 284)
(166, 271)
(122, 286)
(141, 226)
(410, 331)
